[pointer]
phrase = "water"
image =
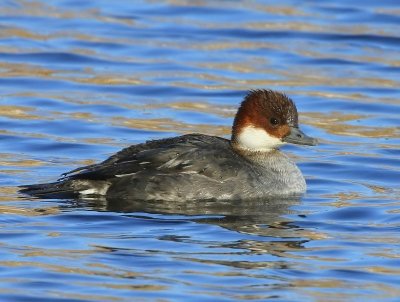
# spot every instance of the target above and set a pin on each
(80, 80)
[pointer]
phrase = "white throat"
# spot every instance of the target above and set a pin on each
(257, 139)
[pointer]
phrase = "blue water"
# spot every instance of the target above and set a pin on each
(80, 80)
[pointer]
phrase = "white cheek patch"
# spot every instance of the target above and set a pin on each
(257, 139)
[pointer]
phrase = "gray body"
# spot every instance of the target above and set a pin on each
(188, 167)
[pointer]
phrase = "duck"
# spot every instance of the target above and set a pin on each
(249, 165)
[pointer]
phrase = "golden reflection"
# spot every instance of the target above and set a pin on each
(386, 253)
(112, 80)
(82, 297)
(169, 125)
(384, 270)
(27, 211)
(8, 194)
(377, 290)
(378, 189)
(32, 163)
(13, 160)
(283, 10)
(17, 112)
(19, 32)
(106, 271)
(7, 190)
(200, 107)
(336, 123)
(40, 9)
(139, 287)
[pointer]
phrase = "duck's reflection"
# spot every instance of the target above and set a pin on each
(267, 222)
(267, 217)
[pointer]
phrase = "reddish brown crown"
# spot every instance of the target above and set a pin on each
(266, 109)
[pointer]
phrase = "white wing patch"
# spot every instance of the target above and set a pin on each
(122, 175)
(95, 191)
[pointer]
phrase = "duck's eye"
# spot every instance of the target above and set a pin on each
(274, 121)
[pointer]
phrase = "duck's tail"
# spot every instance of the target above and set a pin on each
(66, 189)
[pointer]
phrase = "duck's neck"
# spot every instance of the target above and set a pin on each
(260, 156)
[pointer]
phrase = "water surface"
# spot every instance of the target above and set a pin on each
(80, 80)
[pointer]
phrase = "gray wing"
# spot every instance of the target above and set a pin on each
(188, 154)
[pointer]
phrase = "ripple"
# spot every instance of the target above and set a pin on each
(80, 81)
